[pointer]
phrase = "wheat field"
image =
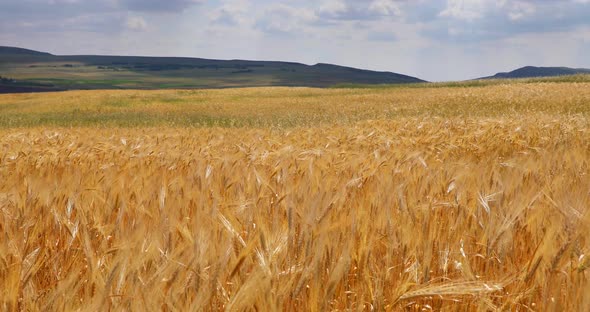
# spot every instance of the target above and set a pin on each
(276, 199)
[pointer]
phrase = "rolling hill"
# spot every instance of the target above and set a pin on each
(25, 69)
(533, 72)
(20, 51)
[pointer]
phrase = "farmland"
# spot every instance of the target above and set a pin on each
(438, 197)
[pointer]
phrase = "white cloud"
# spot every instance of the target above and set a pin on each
(159, 5)
(470, 10)
(518, 10)
(359, 10)
(465, 9)
(333, 7)
(231, 13)
(281, 18)
(385, 7)
(136, 23)
(63, 1)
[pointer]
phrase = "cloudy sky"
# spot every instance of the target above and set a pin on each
(434, 40)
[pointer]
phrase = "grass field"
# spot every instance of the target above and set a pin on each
(439, 198)
(294, 107)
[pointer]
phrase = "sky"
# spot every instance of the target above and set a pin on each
(436, 40)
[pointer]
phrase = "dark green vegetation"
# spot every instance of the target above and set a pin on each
(11, 85)
(40, 71)
(532, 72)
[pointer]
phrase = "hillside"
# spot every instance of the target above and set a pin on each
(80, 72)
(20, 51)
(533, 72)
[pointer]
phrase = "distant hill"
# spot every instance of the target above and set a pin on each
(78, 72)
(20, 51)
(532, 72)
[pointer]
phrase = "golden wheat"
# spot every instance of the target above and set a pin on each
(413, 212)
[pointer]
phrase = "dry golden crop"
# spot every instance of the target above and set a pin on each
(419, 211)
